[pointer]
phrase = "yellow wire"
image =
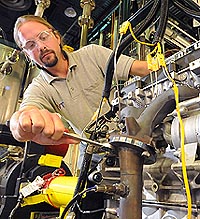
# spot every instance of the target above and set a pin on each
(183, 158)
(162, 63)
(134, 37)
(184, 168)
(127, 25)
(99, 110)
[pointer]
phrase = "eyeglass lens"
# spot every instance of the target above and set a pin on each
(43, 37)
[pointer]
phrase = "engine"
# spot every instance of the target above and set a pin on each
(148, 114)
(141, 169)
(148, 144)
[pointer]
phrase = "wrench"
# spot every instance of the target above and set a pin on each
(78, 137)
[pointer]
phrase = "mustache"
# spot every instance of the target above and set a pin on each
(44, 52)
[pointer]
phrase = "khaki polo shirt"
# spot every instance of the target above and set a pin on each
(77, 96)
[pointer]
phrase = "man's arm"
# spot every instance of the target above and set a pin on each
(139, 68)
(38, 125)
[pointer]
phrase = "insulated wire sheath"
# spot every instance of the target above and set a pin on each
(160, 31)
(186, 10)
(182, 134)
(78, 196)
(149, 10)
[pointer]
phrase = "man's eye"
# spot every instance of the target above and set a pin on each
(43, 37)
(30, 45)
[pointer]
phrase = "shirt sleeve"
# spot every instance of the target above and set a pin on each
(102, 56)
(36, 95)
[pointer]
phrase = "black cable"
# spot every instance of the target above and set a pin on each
(190, 4)
(83, 172)
(148, 19)
(142, 13)
(186, 10)
(70, 204)
(91, 211)
(82, 179)
(151, 7)
(19, 200)
(78, 196)
(20, 197)
(87, 159)
(160, 30)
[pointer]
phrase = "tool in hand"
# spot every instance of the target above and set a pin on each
(77, 137)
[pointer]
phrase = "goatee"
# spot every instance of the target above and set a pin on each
(51, 63)
(48, 61)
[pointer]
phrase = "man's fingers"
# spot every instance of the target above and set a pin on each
(40, 126)
(59, 127)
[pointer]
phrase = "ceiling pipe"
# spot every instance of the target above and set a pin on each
(102, 24)
(41, 6)
(85, 21)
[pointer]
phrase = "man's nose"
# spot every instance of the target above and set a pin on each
(40, 44)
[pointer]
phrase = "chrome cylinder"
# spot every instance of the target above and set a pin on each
(10, 85)
(191, 130)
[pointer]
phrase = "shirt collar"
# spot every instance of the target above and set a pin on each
(49, 78)
(72, 62)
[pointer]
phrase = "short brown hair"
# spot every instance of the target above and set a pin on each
(26, 18)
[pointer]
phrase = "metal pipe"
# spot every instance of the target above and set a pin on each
(131, 165)
(84, 35)
(85, 21)
(41, 6)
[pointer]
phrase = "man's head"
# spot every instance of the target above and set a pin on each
(38, 39)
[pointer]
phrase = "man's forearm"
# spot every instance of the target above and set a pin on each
(139, 68)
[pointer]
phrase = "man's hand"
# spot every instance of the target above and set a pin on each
(40, 126)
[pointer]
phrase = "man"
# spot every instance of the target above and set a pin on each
(68, 88)
(69, 84)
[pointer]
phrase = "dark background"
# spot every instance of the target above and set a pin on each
(69, 27)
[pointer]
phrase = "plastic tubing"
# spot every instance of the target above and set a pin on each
(146, 13)
(186, 10)
(164, 8)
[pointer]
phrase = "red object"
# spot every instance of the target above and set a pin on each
(59, 150)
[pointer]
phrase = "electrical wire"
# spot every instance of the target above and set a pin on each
(3, 34)
(20, 196)
(12, 213)
(145, 15)
(115, 70)
(160, 30)
(127, 25)
(182, 135)
(74, 200)
(183, 158)
(186, 10)
(2, 78)
(89, 212)
(160, 62)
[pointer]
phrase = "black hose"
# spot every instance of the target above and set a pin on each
(75, 199)
(160, 30)
(141, 14)
(190, 4)
(82, 179)
(186, 10)
(83, 172)
(152, 10)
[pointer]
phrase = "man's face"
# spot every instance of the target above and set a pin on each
(40, 43)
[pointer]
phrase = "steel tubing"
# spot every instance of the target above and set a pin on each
(131, 164)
